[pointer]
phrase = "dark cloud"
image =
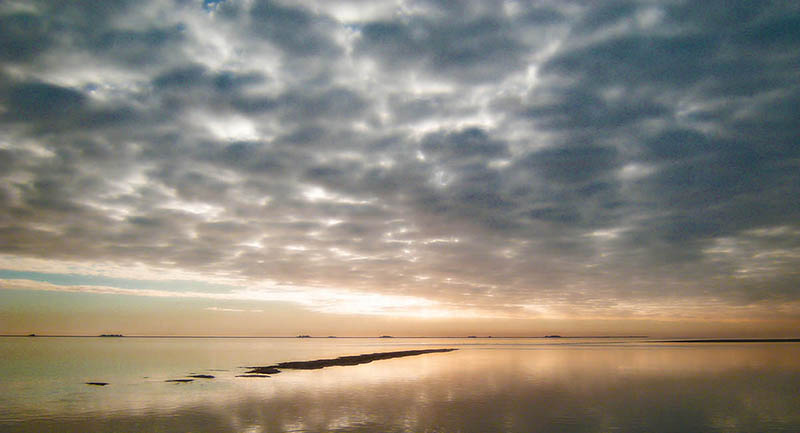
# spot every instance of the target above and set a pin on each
(135, 47)
(181, 78)
(333, 103)
(45, 108)
(23, 36)
(575, 164)
(576, 110)
(466, 144)
(294, 29)
(480, 48)
(569, 155)
(40, 101)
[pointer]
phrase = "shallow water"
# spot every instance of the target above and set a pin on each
(509, 385)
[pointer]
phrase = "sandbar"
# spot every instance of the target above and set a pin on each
(340, 361)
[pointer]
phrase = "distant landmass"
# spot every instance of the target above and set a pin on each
(736, 340)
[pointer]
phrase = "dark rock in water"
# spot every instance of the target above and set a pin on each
(252, 375)
(263, 370)
(97, 383)
(179, 380)
(342, 360)
(202, 376)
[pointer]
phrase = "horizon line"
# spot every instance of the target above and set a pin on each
(321, 336)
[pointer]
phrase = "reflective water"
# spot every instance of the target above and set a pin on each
(488, 385)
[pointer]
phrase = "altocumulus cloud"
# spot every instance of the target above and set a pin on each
(506, 158)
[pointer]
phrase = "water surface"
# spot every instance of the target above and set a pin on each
(511, 385)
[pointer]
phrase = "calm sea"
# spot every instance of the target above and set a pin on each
(488, 385)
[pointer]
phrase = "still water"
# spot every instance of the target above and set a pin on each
(488, 385)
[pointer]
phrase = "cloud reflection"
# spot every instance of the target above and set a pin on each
(546, 388)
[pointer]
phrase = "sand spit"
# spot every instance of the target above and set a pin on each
(340, 361)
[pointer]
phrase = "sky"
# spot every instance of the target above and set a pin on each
(402, 167)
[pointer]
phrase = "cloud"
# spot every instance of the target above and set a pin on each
(314, 299)
(509, 157)
(475, 49)
(295, 30)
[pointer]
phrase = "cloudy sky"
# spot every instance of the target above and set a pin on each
(413, 167)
